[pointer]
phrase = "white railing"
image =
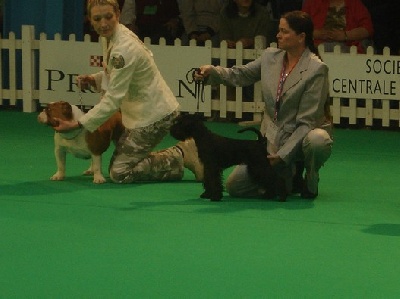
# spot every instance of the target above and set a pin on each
(363, 86)
(17, 67)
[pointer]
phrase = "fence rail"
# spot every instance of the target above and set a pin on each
(21, 75)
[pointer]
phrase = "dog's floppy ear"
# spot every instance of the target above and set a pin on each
(66, 110)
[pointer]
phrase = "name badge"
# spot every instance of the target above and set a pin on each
(150, 10)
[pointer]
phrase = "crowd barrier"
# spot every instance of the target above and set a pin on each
(363, 87)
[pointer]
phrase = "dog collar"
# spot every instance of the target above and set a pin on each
(70, 134)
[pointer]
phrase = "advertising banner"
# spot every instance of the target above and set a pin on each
(62, 61)
(363, 76)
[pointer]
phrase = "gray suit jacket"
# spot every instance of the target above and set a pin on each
(305, 93)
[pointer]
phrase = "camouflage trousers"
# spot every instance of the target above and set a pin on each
(133, 159)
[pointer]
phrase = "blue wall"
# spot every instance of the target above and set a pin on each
(48, 16)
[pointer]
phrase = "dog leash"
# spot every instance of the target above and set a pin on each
(81, 100)
(198, 86)
(80, 94)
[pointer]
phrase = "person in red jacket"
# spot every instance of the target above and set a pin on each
(340, 22)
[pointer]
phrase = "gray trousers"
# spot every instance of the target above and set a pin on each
(316, 149)
(133, 159)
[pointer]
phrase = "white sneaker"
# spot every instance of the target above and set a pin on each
(191, 158)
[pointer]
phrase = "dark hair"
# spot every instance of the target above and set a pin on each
(301, 22)
(232, 11)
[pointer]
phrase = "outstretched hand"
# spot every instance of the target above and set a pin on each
(85, 81)
(203, 72)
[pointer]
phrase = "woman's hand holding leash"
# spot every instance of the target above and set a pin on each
(202, 72)
(85, 82)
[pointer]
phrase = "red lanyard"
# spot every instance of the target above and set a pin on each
(282, 80)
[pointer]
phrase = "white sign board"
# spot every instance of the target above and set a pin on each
(363, 76)
(176, 64)
(62, 61)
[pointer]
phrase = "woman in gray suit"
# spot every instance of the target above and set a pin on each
(296, 119)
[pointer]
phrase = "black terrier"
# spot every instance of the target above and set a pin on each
(218, 153)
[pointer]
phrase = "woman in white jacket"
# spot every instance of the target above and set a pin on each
(132, 83)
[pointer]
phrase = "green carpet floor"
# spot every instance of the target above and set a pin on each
(74, 239)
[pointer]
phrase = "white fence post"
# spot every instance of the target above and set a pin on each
(28, 61)
(239, 90)
(12, 91)
(260, 43)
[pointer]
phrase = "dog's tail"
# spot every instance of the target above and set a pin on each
(260, 138)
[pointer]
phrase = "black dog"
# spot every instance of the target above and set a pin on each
(217, 153)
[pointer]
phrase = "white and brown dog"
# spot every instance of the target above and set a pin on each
(81, 143)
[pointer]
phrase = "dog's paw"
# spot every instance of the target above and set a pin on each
(99, 179)
(57, 176)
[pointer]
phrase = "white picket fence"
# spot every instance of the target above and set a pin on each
(20, 74)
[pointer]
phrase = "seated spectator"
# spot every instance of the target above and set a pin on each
(340, 22)
(201, 20)
(243, 20)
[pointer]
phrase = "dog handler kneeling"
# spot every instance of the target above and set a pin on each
(132, 83)
(296, 121)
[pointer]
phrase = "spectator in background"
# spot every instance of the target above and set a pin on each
(201, 20)
(243, 20)
(340, 22)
